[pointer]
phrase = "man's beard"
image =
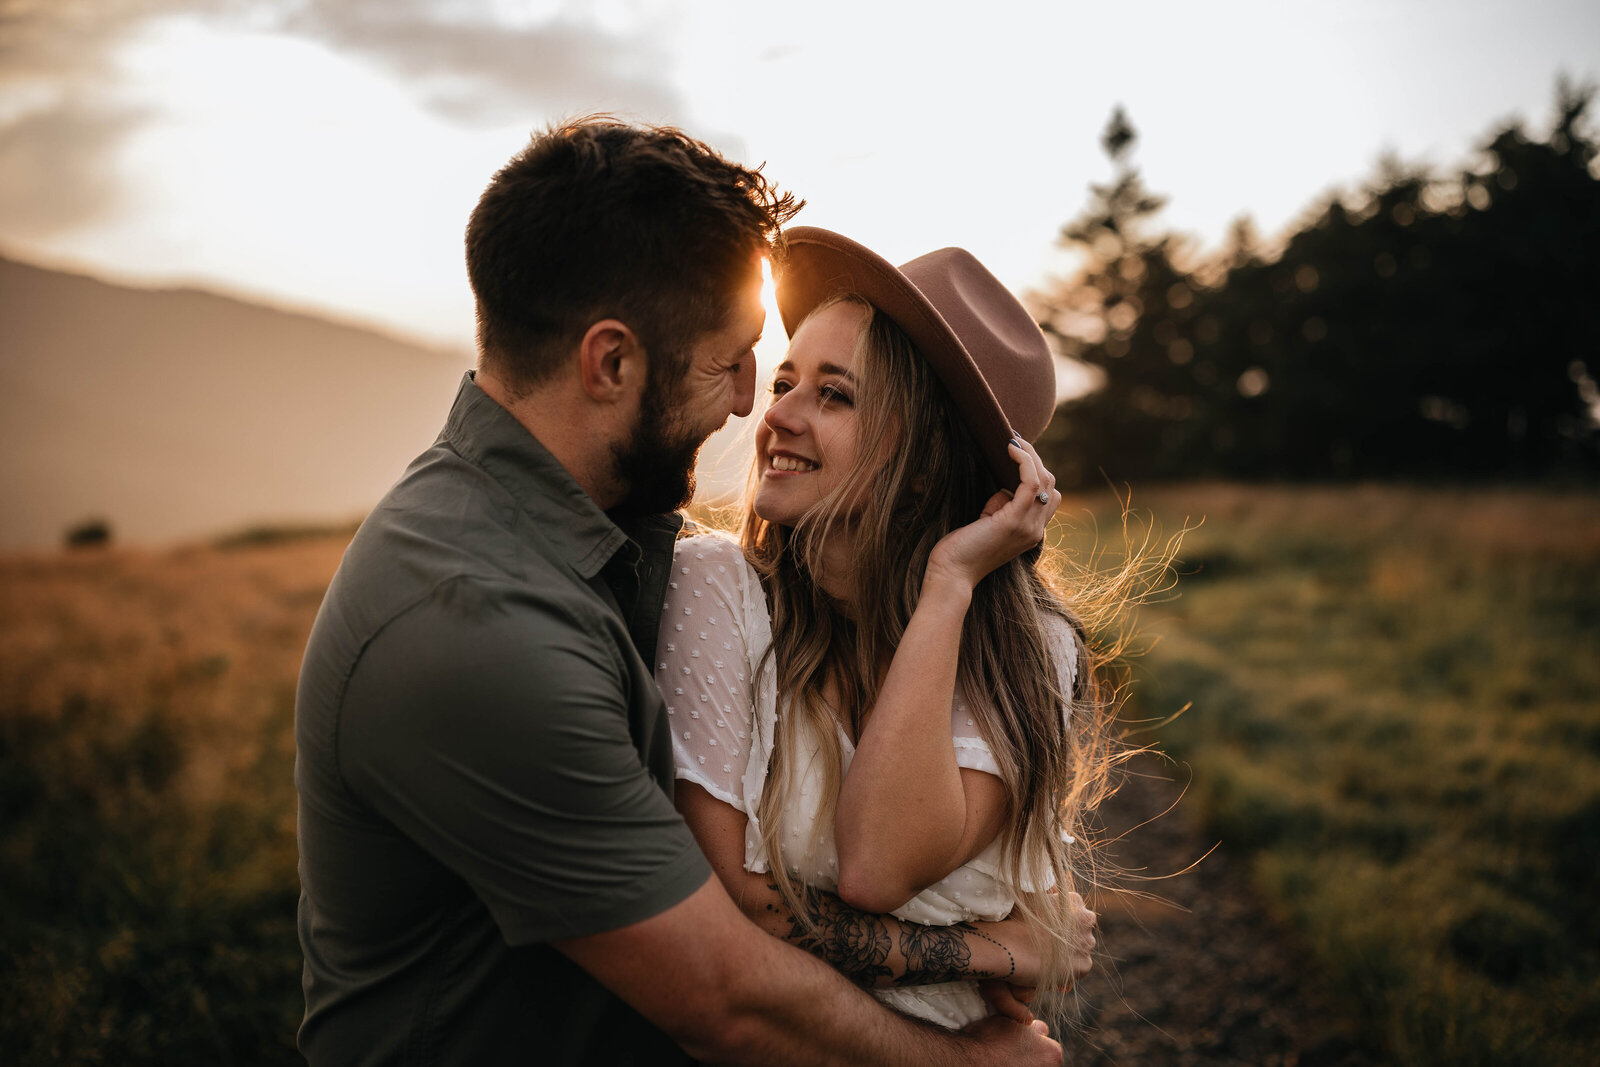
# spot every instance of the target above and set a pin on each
(656, 462)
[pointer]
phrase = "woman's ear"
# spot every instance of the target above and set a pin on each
(611, 361)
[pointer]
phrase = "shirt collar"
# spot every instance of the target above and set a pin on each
(488, 435)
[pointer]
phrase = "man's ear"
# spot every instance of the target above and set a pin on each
(611, 361)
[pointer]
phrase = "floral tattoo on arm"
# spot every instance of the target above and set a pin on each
(858, 945)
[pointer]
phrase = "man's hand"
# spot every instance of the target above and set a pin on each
(1008, 1000)
(1004, 1041)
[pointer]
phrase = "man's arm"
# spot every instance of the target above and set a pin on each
(729, 993)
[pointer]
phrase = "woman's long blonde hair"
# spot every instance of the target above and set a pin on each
(898, 501)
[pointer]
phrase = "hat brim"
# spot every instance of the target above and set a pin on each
(817, 265)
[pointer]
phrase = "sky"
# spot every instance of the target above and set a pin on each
(325, 154)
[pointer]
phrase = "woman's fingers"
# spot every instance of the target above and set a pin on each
(997, 502)
(1036, 477)
(1010, 524)
(1036, 499)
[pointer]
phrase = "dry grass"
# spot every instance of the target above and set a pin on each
(147, 830)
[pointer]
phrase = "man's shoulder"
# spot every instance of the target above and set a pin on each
(449, 546)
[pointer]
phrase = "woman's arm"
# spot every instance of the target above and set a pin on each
(907, 815)
(872, 950)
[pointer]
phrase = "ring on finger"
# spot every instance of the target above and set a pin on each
(1042, 497)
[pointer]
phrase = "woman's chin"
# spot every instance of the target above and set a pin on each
(768, 510)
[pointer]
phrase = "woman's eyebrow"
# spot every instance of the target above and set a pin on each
(834, 368)
(787, 367)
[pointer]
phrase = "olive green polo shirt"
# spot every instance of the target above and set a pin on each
(483, 765)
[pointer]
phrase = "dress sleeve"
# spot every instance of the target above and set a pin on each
(1063, 642)
(702, 667)
(972, 751)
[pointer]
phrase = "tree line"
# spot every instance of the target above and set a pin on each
(1423, 327)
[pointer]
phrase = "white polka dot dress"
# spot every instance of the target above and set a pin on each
(723, 711)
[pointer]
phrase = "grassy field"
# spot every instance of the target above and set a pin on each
(147, 802)
(1395, 710)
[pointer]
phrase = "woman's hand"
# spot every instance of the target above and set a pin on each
(1011, 524)
(1011, 996)
(1081, 961)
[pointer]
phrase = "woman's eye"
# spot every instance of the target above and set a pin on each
(780, 387)
(830, 394)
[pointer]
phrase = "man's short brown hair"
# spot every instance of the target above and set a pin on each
(599, 219)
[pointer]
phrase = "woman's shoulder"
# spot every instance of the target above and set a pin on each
(709, 550)
(1061, 637)
(712, 560)
(706, 540)
(1060, 633)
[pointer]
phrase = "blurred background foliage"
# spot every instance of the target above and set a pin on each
(1424, 326)
(1385, 700)
(1392, 687)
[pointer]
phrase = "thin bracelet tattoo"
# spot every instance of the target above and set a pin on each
(1009, 957)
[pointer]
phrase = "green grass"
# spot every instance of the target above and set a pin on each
(1395, 712)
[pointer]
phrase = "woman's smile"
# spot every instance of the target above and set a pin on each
(787, 463)
(806, 439)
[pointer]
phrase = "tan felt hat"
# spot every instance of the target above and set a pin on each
(980, 340)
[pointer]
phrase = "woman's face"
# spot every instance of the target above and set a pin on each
(806, 441)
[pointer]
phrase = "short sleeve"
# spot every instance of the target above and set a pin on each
(972, 751)
(703, 669)
(491, 727)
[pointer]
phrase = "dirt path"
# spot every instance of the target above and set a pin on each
(1207, 976)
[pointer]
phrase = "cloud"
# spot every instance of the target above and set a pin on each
(66, 113)
(58, 166)
(475, 68)
(64, 117)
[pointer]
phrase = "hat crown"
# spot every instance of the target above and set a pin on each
(997, 332)
(986, 349)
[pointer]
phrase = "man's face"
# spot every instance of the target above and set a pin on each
(685, 403)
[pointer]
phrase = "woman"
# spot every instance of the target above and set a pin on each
(870, 693)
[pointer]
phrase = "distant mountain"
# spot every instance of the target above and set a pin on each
(178, 413)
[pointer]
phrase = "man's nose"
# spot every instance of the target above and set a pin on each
(744, 389)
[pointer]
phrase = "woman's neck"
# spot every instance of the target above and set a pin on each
(835, 571)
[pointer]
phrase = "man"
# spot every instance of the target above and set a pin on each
(492, 870)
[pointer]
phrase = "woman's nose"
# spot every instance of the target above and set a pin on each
(783, 414)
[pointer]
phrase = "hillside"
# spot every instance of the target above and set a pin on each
(179, 413)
